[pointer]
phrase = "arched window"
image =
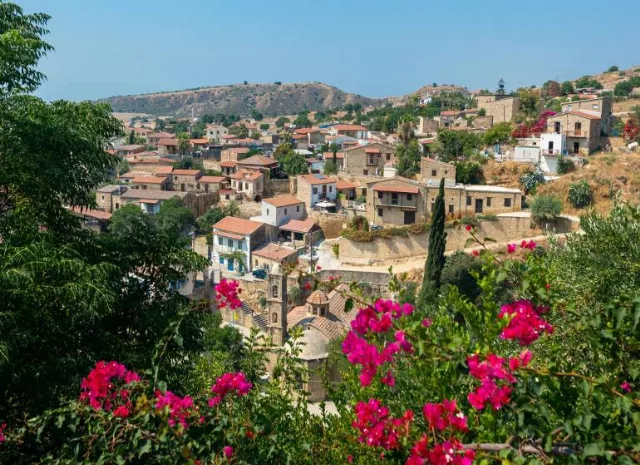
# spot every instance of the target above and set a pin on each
(274, 318)
(274, 291)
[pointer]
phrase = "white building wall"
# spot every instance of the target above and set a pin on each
(559, 142)
(331, 193)
(526, 154)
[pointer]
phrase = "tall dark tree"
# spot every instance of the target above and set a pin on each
(132, 137)
(334, 158)
(500, 90)
(435, 258)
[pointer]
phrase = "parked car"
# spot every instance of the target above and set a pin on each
(260, 273)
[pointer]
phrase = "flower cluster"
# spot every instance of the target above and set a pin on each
(227, 294)
(525, 324)
(377, 427)
(99, 387)
(229, 382)
(445, 415)
(379, 318)
(450, 452)
(3, 426)
(360, 352)
(180, 408)
(495, 374)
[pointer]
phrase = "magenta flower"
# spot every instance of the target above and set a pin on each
(227, 294)
(100, 388)
(525, 324)
(427, 322)
(511, 248)
(236, 382)
(227, 451)
(626, 387)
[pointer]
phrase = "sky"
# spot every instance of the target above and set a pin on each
(120, 47)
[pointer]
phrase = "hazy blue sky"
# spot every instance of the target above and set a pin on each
(375, 48)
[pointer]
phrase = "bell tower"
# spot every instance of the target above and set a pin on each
(277, 305)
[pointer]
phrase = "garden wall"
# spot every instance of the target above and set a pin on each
(506, 228)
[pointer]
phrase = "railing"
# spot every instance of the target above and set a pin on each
(395, 203)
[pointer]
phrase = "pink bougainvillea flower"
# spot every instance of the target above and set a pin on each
(427, 322)
(104, 385)
(475, 253)
(227, 451)
(450, 452)
(229, 382)
(388, 379)
(180, 408)
(626, 387)
(528, 245)
(307, 285)
(525, 324)
(318, 267)
(227, 294)
(511, 248)
(468, 227)
(3, 426)
(377, 427)
(122, 411)
(444, 415)
(349, 458)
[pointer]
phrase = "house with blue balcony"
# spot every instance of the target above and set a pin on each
(233, 240)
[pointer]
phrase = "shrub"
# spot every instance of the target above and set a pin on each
(546, 208)
(457, 271)
(262, 301)
(565, 165)
(469, 220)
(580, 194)
(361, 199)
(531, 180)
(488, 217)
(468, 172)
(482, 112)
(613, 69)
(335, 248)
(295, 293)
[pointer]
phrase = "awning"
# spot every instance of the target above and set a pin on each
(325, 204)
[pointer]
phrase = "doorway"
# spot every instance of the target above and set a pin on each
(556, 127)
(409, 217)
(478, 205)
(230, 264)
(576, 147)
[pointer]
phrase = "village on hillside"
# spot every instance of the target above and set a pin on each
(349, 193)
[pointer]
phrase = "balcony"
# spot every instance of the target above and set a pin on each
(398, 203)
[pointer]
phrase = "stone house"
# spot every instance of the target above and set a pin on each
(314, 188)
(128, 150)
(279, 210)
(367, 160)
(150, 200)
(214, 132)
(432, 171)
(582, 130)
(500, 109)
(450, 118)
(234, 239)
(260, 163)
(346, 189)
(228, 167)
(311, 136)
(155, 183)
(601, 107)
(328, 157)
(233, 153)
(351, 130)
(483, 122)
(105, 197)
(168, 146)
(151, 165)
(154, 138)
(199, 144)
(95, 220)
(186, 180)
(248, 183)
(471, 199)
(271, 255)
(426, 126)
(396, 201)
(211, 183)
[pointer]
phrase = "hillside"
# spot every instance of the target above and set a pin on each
(241, 99)
(609, 80)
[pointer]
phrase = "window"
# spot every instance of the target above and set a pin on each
(314, 310)
(388, 156)
(230, 242)
(144, 187)
(380, 212)
(267, 211)
(451, 209)
(315, 190)
(380, 195)
(434, 173)
(330, 188)
(286, 211)
(103, 197)
(256, 263)
(468, 200)
(409, 197)
(595, 106)
(221, 260)
(198, 186)
(274, 317)
(246, 186)
(365, 172)
(446, 172)
(394, 198)
(569, 107)
(507, 202)
(488, 201)
(433, 206)
(220, 241)
(175, 178)
(297, 208)
(274, 291)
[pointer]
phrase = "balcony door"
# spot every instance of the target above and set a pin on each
(478, 205)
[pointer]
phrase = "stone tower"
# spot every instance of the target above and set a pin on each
(277, 305)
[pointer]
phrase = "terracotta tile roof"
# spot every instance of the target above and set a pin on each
(150, 179)
(199, 141)
(316, 179)
(164, 169)
(348, 127)
(130, 147)
(371, 150)
(274, 252)
(260, 160)
(342, 184)
(228, 136)
(239, 149)
(186, 172)
(166, 160)
(167, 142)
(228, 164)
(162, 135)
(283, 201)
(318, 297)
(212, 179)
(91, 213)
(582, 114)
(396, 188)
(332, 326)
(304, 131)
(378, 145)
(299, 136)
(152, 194)
(329, 155)
(300, 226)
(129, 175)
(246, 175)
(231, 224)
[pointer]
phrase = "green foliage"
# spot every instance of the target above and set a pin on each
(482, 112)
(280, 122)
(255, 114)
(612, 69)
(531, 180)
(567, 88)
(468, 172)
(455, 144)
(435, 255)
(361, 199)
(302, 120)
(565, 165)
(183, 143)
(459, 271)
(330, 168)
(188, 163)
(335, 248)
(470, 220)
(291, 162)
(588, 81)
(498, 134)
(546, 208)
(296, 294)
(213, 215)
(529, 102)
(198, 130)
(240, 131)
(366, 235)
(580, 194)
(264, 126)
(408, 158)
(174, 217)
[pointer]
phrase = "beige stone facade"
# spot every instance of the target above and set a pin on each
(501, 110)
(367, 160)
(248, 183)
(185, 180)
(581, 129)
(233, 154)
(426, 126)
(602, 107)
(396, 201)
(483, 122)
(432, 171)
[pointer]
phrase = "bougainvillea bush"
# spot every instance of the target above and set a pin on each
(542, 367)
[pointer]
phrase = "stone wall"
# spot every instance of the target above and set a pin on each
(501, 110)
(507, 228)
(277, 186)
(330, 223)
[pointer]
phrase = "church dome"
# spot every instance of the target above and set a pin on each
(318, 297)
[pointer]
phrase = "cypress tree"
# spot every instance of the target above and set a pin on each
(435, 258)
(334, 159)
(132, 138)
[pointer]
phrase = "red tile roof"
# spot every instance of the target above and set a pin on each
(317, 179)
(246, 175)
(149, 179)
(302, 227)
(199, 141)
(318, 297)
(342, 184)
(231, 224)
(213, 179)
(91, 213)
(162, 135)
(371, 150)
(260, 160)
(228, 164)
(167, 142)
(304, 131)
(329, 155)
(283, 201)
(164, 169)
(274, 252)
(399, 189)
(583, 115)
(186, 172)
(348, 127)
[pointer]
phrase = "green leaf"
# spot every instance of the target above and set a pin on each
(595, 448)
(489, 239)
(144, 449)
(178, 339)
(162, 386)
(636, 313)
(348, 305)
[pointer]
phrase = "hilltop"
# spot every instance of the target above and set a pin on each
(241, 99)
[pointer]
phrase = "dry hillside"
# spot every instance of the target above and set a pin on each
(609, 80)
(241, 99)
